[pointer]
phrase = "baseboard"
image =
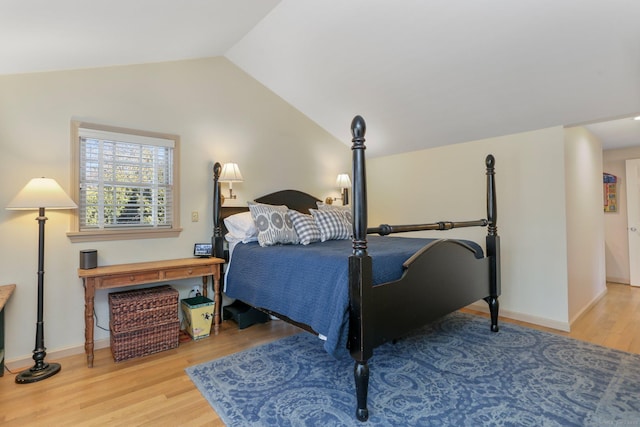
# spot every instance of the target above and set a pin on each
(20, 363)
(622, 280)
(513, 315)
(588, 306)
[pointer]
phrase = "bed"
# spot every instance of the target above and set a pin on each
(372, 288)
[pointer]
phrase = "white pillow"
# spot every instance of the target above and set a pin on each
(241, 227)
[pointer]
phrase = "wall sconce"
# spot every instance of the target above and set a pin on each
(231, 173)
(343, 182)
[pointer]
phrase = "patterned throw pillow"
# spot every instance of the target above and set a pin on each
(345, 210)
(333, 225)
(305, 226)
(273, 223)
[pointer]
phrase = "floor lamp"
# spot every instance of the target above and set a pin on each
(40, 193)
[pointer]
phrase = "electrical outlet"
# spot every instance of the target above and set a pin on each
(194, 216)
(196, 290)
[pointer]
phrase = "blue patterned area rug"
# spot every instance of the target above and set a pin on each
(453, 372)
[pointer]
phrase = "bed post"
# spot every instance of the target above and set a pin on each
(493, 244)
(360, 274)
(216, 239)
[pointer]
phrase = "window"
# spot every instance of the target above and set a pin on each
(125, 183)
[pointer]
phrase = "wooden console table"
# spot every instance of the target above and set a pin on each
(120, 275)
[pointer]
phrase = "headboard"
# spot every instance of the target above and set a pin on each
(293, 199)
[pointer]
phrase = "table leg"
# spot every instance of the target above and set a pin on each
(204, 286)
(89, 297)
(217, 299)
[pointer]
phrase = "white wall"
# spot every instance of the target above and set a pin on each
(585, 220)
(616, 235)
(221, 115)
(448, 183)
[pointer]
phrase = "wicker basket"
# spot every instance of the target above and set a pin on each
(143, 321)
(142, 307)
(145, 340)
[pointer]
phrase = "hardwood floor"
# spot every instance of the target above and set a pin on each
(156, 391)
(153, 390)
(614, 321)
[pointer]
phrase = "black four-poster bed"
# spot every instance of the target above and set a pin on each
(439, 278)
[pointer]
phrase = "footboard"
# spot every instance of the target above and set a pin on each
(443, 277)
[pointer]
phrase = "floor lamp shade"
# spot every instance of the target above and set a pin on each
(41, 194)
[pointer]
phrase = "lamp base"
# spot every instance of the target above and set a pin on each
(34, 375)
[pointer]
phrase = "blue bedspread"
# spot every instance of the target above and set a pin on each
(310, 284)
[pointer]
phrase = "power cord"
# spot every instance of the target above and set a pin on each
(97, 323)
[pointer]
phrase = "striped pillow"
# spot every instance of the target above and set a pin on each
(345, 210)
(305, 226)
(333, 225)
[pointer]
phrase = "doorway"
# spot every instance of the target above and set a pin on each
(632, 167)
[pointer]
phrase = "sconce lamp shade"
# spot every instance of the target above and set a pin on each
(41, 193)
(343, 181)
(230, 173)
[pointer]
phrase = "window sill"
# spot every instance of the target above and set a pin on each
(105, 235)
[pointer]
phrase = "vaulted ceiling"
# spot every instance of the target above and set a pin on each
(422, 73)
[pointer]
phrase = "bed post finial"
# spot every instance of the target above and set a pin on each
(217, 169)
(216, 239)
(358, 128)
(490, 161)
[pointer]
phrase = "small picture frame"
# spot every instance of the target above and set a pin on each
(202, 250)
